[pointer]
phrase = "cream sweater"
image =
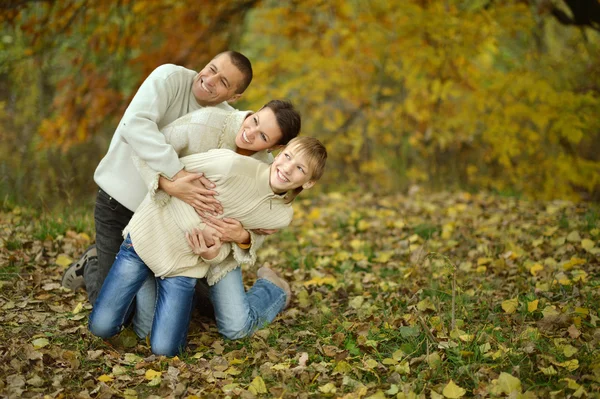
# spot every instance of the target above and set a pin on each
(200, 131)
(164, 96)
(158, 232)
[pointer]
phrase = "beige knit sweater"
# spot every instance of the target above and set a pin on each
(199, 131)
(158, 231)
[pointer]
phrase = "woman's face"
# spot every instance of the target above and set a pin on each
(259, 131)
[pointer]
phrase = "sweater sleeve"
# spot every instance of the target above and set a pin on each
(139, 126)
(248, 256)
(176, 135)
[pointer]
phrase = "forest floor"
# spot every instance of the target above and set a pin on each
(374, 312)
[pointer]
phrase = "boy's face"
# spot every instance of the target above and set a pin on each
(258, 132)
(217, 82)
(290, 170)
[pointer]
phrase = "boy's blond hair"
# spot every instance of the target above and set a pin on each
(315, 154)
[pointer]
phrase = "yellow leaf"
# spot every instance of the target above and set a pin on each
(63, 260)
(466, 337)
(425, 304)
(582, 311)
(356, 302)
(403, 368)
(383, 257)
(78, 308)
(257, 386)
(152, 374)
(532, 306)
(453, 391)
(548, 370)
(105, 378)
(327, 388)
(587, 244)
(570, 365)
(569, 350)
(315, 214)
(571, 384)
(574, 236)
(484, 261)
(510, 305)
(398, 355)
(356, 244)
(40, 343)
(535, 269)
(233, 371)
(574, 261)
(363, 225)
(321, 281)
(509, 384)
(342, 368)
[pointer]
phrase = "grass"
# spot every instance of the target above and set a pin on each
(365, 330)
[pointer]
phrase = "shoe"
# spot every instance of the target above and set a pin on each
(73, 277)
(269, 274)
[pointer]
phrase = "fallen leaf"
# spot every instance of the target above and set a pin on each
(533, 305)
(63, 260)
(152, 374)
(40, 343)
(453, 391)
(328, 388)
(105, 378)
(257, 386)
(510, 305)
(509, 384)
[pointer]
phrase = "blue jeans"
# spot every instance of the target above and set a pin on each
(173, 303)
(238, 313)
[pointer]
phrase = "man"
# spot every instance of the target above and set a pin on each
(169, 92)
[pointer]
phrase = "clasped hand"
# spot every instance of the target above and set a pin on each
(206, 242)
(194, 189)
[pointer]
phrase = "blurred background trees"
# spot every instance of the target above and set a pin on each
(447, 94)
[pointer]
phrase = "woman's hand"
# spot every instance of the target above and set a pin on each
(230, 230)
(193, 189)
(197, 242)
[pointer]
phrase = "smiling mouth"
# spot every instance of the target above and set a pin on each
(204, 86)
(282, 177)
(245, 138)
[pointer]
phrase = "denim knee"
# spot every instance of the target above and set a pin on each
(164, 348)
(235, 330)
(102, 329)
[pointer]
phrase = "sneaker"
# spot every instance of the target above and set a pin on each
(73, 277)
(269, 274)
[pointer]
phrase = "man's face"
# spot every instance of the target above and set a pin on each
(259, 131)
(290, 170)
(217, 82)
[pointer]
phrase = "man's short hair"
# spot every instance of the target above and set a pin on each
(243, 64)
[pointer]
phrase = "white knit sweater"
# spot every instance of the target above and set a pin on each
(200, 131)
(158, 232)
(164, 96)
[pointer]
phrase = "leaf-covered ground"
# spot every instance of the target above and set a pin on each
(374, 313)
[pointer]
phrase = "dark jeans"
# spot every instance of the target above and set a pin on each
(111, 218)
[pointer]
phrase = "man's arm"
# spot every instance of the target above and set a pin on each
(139, 126)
